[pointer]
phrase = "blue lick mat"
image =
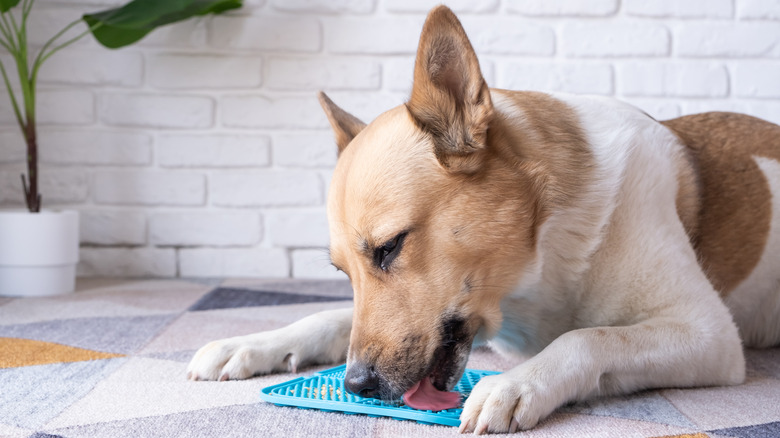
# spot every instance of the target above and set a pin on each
(325, 391)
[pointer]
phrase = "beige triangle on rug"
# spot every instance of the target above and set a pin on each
(16, 352)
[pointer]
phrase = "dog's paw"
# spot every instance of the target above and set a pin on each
(504, 403)
(240, 358)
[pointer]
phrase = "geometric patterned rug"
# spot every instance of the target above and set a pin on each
(110, 360)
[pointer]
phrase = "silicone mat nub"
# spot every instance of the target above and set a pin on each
(325, 391)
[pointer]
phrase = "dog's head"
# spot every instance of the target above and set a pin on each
(427, 219)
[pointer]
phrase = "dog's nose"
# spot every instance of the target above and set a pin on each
(361, 380)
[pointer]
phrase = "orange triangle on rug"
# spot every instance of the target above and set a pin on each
(15, 352)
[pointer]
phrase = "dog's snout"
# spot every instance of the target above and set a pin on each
(362, 380)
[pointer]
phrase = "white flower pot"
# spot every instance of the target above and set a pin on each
(38, 252)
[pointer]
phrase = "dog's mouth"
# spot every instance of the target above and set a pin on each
(449, 361)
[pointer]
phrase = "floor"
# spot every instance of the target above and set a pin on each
(110, 359)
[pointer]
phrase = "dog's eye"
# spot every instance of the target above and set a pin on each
(385, 254)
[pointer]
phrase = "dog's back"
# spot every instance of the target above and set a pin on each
(730, 205)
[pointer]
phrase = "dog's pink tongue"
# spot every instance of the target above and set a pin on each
(424, 396)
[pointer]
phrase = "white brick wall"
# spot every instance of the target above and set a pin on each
(509, 35)
(94, 67)
(614, 39)
(336, 74)
(198, 228)
(663, 78)
(233, 262)
(313, 149)
(156, 110)
(127, 262)
(261, 32)
(65, 106)
(203, 71)
(298, 228)
(94, 147)
(680, 9)
(112, 227)
(148, 188)
(556, 8)
(267, 188)
(213, 150)
(742, 39)
(757, 79)
(263, 111)
(202, 150)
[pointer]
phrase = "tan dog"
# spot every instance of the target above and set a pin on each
(617, 250)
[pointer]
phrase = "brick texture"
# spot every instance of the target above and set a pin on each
(303, 74)
(127, 262)
(157, 110)
(202, 149)
(459, 6)
(558, 8)
(265, 189)
(149, 188)
(295, 229)
(65, 107)
(570, 77)
(615, 39)
(305, 150)
(112, 227)
(685, 79)
(95, 147)
(205, 229)
(325, 6)
(12, 146)
(94, 67)
(204, 71)
(397, 34)
(63, 186)
(233, 262)
(757, 80)
(685, 9)
(510, 36)
(730, 39)
(213, 150)
(256, 111)
(279, 34)
(758, 9)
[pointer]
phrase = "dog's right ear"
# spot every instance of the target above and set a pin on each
(450, 99)
(345, 125)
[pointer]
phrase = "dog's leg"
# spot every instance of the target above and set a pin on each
(660, 352)
(319, 338)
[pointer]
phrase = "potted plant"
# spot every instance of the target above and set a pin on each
(39, 248)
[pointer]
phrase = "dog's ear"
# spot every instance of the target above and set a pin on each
(450, 99)
(345, 125)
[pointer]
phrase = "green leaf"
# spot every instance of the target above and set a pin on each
(5, 5)
(125, 25)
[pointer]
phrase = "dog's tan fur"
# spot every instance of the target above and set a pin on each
(733, 215)
(574, 229)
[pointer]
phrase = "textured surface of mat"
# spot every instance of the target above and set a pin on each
(325, 390)
(110, 360)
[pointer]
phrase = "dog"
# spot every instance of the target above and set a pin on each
(618, 252)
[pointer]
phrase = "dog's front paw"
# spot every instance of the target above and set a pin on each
(240, 358)
(504, 403)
